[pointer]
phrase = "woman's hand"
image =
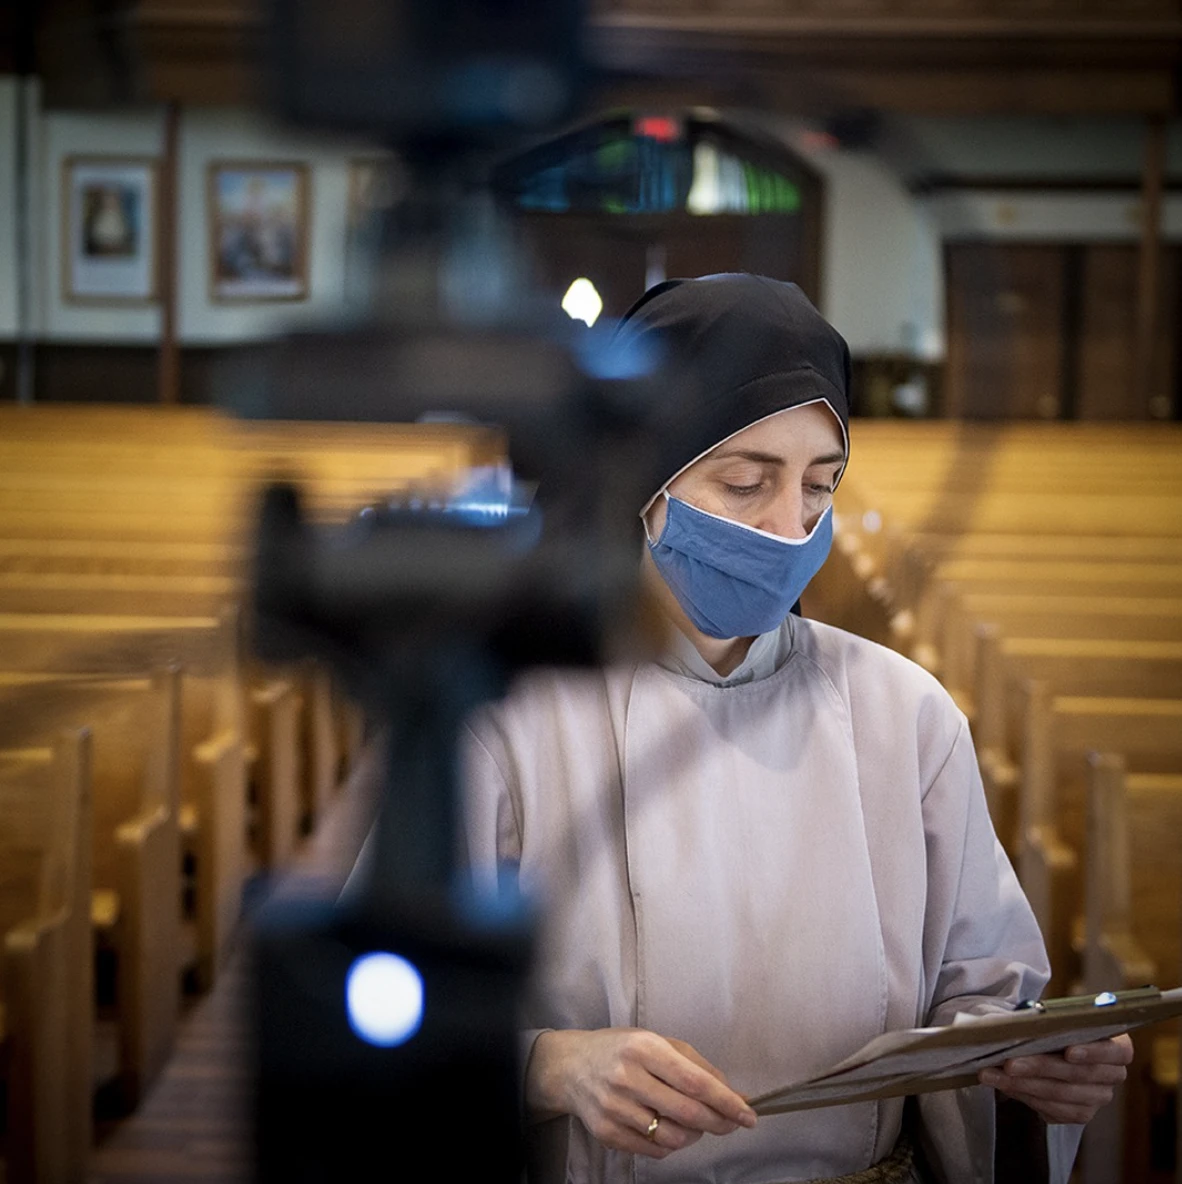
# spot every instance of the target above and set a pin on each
(1069, 1086)
(617, 1080)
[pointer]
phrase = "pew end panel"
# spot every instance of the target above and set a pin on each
(218, 771)
(1133, 929)
(47, 975)
(135, 908)
(276, 711)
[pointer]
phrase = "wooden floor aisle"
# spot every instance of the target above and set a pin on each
(194, 1126)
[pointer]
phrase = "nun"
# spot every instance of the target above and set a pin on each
(768, 847)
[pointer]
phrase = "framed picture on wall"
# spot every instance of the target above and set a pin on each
(258, 230)
(109, 219)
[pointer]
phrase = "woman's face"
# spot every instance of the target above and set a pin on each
(776, 475)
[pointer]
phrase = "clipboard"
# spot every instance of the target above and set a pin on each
(921, 1060)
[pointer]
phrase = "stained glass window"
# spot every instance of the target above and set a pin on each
(635, 163)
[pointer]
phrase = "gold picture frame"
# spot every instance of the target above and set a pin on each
(258, 230)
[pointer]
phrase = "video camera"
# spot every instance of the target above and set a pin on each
(385, 1022)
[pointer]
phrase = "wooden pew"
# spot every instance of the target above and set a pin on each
(134, 725)
(850, 593)
(104, 593)
(275, 712)
(1119, 618)
(1072, 666)
(913, 561)
(153, 511)
(213, 766)
(917, 497)
(130, 641)
(159, 557)
(274, 695)
(878, 514)
(46, 1023)
(1052, 799)
(997, 577)
(1134, 917)
(892, 575)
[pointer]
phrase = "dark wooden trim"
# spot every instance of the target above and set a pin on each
(17, 37)
(1148, 288)
(935, 183)
(9, 357)
(892, 44)
(953, 401)
(94, 372)
(1073, 295)
(212, 52)
(720, 19)
(168, 378)
(1176, 414)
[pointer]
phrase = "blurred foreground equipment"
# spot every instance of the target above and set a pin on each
(387, 1021)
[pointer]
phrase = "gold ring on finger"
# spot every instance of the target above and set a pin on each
(651, 1133)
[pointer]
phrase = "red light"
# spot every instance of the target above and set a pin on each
(658, 127)
(818, 141)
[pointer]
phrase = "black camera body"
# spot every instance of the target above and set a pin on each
(386, 1021)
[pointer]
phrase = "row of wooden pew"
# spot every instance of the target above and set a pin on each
(152, 768)
(1037, 571)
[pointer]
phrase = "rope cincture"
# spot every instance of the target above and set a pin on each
(895, 1169)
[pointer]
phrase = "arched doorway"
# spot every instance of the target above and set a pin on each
(635, 197)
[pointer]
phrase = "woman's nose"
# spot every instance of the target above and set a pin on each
(786, 516)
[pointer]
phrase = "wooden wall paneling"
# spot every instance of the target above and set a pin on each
(606, 250)
(74, 372)
(708, 245)
(8, 356)
(784, 246)
(170, 358)
(611, 249)
(1005, 330)
(1107, 386)
(963, 55)
(1149, 255)
(1108, 329)
(68, 372)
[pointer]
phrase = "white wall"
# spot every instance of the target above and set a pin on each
(213, 134)
(205, 135)
(881, 270)
(1023, 148)
(66, 134)
(1048, 216)
(882, 265)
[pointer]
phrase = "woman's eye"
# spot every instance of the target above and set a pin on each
(819, 490)
(742, 490)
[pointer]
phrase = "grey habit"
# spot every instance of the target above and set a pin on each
(776, 868)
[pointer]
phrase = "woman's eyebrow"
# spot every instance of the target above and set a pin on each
(770, 458)
(831, 458)
(762, 458)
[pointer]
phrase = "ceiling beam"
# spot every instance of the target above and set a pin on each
(209, 51)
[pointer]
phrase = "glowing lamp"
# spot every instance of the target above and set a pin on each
(582, 302)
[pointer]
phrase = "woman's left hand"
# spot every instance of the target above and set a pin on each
(1065, 1087)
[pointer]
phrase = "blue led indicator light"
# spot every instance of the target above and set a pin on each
(384, 999)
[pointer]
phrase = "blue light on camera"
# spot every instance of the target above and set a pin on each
(384, 999)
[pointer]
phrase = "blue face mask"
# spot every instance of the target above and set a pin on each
(733, 580)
